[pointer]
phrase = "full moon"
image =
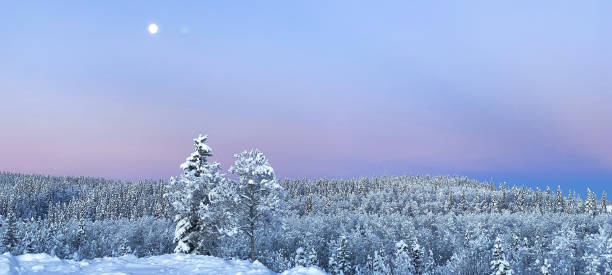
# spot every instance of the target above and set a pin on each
(153, 28)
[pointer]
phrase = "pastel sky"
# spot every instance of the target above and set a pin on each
(517, 91)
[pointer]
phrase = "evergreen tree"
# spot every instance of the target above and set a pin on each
(499, 265)
(598, 255)
(9, 239)
(124, 248)
(403, 258)
(379, 264)
(450, 202)
(300, 257)
(312, 259)
(193, 196)
(257, 193)
(495, 204)
(417, 257)
(549, 202)
(429, 263)
(604, 203)
(342, 264)
(464, 202)
(589, 204)
(477, 203)
(559, 205)
(29, 244)
(564, 251)
(544, 269)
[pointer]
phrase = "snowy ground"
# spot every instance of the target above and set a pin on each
(164, 264)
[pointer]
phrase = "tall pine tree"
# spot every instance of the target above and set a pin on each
(9, 239)
(499, 265)
(192, 196)
(258, 194)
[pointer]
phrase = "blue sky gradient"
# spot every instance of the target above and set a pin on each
(517, 91)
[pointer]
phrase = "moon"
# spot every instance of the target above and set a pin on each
(153, 28)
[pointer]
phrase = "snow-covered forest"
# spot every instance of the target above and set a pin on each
(379, 225)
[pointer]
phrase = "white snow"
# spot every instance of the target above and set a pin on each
(609, 207)
(163, 264)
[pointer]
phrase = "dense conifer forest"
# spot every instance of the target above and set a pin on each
(402, 224)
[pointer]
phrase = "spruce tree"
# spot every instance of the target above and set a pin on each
(559, 205)
(379, 265)
(300, 257)
(604, 203)
(499, 265)
(544, 269)
(463, 202)
(193, 196)
(403, 260)
(312, 259)
(9, 239)
(590, 203)
(417, 257)
(343, 266)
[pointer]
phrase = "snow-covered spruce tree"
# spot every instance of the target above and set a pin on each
(403, 258)
(417, 257)
(499, 265)
(463, 204)
(29, 243)
(564, 251)
(312, 259)
(341, 258)
(258, 194)
(300, 257)
(590, 205)
(604, 203)
(379, 264)
(559, 202)
(598, 256)
(548, 203)
(124, 248)
(9, 240)
(193, 196)
(544, 269)
(429, 263)
(450, 202)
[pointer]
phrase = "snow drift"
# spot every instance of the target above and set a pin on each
(164, 264)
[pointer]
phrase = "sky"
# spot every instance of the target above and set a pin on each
(516, 91)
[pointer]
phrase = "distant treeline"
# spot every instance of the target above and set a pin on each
(451, 223)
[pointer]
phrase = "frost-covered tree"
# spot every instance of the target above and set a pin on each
(499, 265)
(300, 257)
(311, 258)
(340, 258)
(379, 264)
(559, 203)
(598, 257)
(403, 258)
(590, 205)
(544, 269)
(192, 196)
(463, 203)
(258, 194)
(9, 240)
(450, 203)
(124, 248)
(564, 251)
(417, 257)
(429, 263)
(604, 203)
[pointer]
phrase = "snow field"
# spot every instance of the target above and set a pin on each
(164, 264)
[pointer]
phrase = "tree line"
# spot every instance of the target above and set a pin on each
(378, 225)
